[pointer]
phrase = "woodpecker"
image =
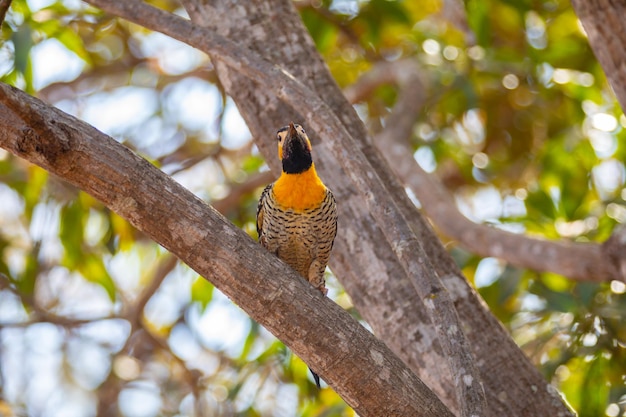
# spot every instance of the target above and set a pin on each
(297, 214)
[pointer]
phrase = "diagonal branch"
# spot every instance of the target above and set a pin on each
(379, 202)
(365, 372)
(576, 261)
(603, 21)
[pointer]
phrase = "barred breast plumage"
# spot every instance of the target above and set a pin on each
(301, 238)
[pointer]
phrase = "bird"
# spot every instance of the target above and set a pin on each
(297, 213)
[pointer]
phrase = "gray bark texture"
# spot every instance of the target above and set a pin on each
(603, 21)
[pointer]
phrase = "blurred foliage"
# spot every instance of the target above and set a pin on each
(519, 123)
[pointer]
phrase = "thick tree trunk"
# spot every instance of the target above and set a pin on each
(364, 262)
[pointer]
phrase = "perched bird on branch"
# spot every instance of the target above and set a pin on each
(297, 214)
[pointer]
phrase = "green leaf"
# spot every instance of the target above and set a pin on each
(556, 282)
(586, 291)
(26, 281)
(594, 391)
(70, 39)
(78, 255)
(252, 163)
(32, 189)
(555, 300)
(478, 19)
(202, 292)
(250, 339)
(93, 270)
(540, 205)
(73, 217)
(323, 32)
(23, 44)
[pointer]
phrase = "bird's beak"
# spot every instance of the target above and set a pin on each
(294, 137)
(295, 151)
(292, 130)
(291, 141)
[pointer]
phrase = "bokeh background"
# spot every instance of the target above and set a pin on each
(518, 122)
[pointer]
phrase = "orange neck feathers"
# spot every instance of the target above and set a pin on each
(299, 191)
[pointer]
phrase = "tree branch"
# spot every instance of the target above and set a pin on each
(380, 74)
(111, 76)
(313, 326)
(615, 248)
(109, 390)
(62, 90)
(603, 21)
(577, 261)
(135, 313)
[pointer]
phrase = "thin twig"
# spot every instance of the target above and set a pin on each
(4, 7)
(109, 77)
(40, 315)
(111, 387)
(237, 192)
(165, 266)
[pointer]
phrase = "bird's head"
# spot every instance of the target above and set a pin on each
(294, 149)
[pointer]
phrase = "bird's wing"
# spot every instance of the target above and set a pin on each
(260, 210)
(335, 215)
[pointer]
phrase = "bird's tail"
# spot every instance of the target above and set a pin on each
(316, 377)
(322, 288)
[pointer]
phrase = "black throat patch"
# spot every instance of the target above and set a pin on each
(296, 157)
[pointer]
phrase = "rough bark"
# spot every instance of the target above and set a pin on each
(615, 248)
(603, 21)
(533, 395)
(365, 372)
(491, 346)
